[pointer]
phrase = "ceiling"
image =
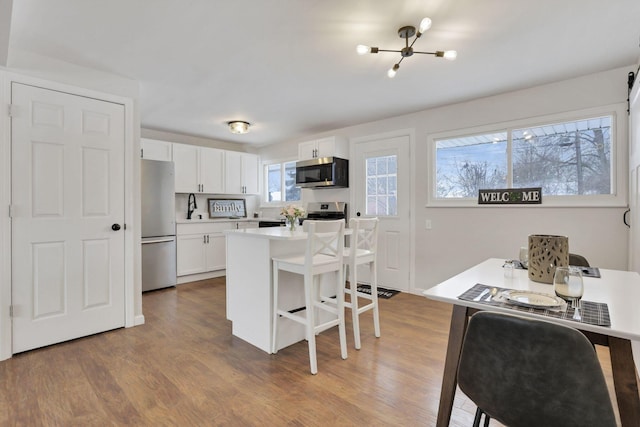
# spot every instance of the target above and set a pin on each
(290, 67)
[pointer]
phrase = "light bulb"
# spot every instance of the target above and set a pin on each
(362, 49)
(425, 24)
(392, 71)
(450, 55)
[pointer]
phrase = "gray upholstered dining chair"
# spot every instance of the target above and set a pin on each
(578, 260)
(525, 372)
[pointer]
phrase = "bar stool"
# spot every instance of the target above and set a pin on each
(323, 254)
(364, 241)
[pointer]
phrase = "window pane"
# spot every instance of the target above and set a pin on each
(467, 164)
(274, 185)
(571, 158)
(280, 183)
(292, 193)
(381, 186)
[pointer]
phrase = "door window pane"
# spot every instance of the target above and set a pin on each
(381, 189)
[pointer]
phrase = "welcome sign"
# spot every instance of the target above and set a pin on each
(511, 196)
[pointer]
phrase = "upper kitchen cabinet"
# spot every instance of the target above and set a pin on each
(325, 147)
(241, 173)
(152, 149)
(198, 169)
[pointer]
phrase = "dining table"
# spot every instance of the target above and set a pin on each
(609, 316)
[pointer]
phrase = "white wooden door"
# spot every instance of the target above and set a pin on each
(186, 159)
(381, 169)
(250, 179)
(67, 193)
(233, 172)
(152, 149)
(212, 170)
(634, 177)
(216, 252)
(191, 256)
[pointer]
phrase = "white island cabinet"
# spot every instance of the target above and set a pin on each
(250, 288)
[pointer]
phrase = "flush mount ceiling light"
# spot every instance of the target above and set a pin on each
(405, 33)
(239, 127)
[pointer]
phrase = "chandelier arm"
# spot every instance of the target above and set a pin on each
(388, 50)
(401, 58)
(426, 53)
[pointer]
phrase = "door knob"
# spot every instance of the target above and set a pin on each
(357, 213)
(115, 227)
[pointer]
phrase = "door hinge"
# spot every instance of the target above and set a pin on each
(12, 110)
(11, 311)
(124, 226)
(10, 211)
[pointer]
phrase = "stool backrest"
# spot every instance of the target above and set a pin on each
(325, 237)
(365, 235)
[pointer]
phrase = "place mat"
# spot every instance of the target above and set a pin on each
(593, 313)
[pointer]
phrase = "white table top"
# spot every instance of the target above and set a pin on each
(619, 289)
(275, 233)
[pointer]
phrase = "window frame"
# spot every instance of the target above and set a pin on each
(264, 193)
(619, 146)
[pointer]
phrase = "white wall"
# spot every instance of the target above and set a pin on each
(462, 237)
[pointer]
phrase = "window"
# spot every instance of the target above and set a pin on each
(280, 182)
(566, 158)
(382, 181)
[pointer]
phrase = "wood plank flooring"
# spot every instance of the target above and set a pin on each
(184, 368)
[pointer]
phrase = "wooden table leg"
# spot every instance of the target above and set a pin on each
(625, 381)
(459, 319)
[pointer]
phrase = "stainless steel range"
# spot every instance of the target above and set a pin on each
(326, 211)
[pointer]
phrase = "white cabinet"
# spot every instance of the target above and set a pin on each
(153, 149)
(241, 173)
(201, 247)
(325, 147)
(198, 169)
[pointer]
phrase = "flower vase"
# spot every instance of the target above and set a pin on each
(292, 223)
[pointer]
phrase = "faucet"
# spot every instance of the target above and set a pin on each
(191, 205)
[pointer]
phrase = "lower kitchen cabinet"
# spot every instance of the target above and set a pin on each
(201, 247)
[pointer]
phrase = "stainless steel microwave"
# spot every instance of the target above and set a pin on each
(323, 172)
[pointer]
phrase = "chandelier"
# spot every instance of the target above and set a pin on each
(406, 33)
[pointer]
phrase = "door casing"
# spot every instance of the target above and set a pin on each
(133, 292)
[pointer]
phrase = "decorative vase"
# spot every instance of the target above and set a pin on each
(292, 223)
(545, 254)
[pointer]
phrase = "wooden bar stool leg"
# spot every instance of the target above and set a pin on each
(374, 298)
(274, 330)
(310, 309)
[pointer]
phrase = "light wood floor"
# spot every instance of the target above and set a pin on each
(184, 368)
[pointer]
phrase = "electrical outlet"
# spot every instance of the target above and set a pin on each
(427, 224)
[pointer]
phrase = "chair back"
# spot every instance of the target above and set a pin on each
(578, 260)
(364, 237)
(325, 238)
(526, 372)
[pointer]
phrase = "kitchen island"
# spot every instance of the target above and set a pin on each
(250, 288)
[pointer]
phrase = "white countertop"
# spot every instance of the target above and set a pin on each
(203, 220)
(274, 233)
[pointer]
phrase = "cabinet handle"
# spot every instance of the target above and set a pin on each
(142, 153)
(207, 239)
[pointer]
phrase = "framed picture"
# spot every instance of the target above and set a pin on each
(227, 208)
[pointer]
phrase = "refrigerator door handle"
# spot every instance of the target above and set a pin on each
(169, 239)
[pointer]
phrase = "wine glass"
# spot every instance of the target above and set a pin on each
(567, 284)
(524, 256)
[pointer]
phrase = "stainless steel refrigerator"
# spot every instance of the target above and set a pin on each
(158, 224)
